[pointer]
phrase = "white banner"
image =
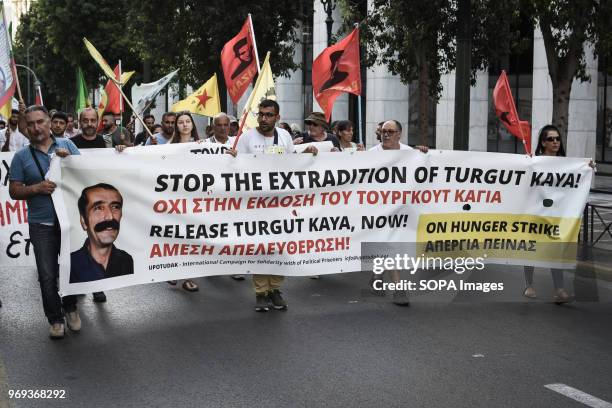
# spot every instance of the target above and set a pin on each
(15, 247)
(170, 217)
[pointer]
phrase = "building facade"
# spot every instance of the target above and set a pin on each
(385, 97)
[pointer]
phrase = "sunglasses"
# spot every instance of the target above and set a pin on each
(553, 139)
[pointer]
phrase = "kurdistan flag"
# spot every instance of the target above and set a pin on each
(204, 101)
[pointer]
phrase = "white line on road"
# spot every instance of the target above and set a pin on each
(579, 396)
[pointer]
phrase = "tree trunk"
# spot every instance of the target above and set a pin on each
(424, 88)
(561, 99)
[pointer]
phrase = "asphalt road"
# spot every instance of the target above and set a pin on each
(336, 346)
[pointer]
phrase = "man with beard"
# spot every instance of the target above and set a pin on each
(267, 139)
(114, 135)
(141, 138)
(59, 121)
(167, 130)
(88, 139)
(28, 182)
(11, 139)
(100, 209)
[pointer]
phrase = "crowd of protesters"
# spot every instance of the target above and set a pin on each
(35, 134)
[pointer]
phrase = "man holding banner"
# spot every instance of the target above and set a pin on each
(28, 182)
(266, 138)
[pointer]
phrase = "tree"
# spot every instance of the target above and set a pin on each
(415, 39)
(192, 33)
(53, 30)
(567, 27)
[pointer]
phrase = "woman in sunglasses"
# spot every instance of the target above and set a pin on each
(549, 144)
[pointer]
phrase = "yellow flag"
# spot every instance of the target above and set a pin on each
(264, 89)
(125, 76)
(5, 110)
(204, 101)
(108, 71)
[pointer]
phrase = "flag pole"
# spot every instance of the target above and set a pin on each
(134, 110)
(362, 133)
(120, 102)
(254, 42)
(13, 67)
(246, 108)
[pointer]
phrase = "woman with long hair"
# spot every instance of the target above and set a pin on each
(184, 132)
(344, 132)
(549, 144)
(184, 129)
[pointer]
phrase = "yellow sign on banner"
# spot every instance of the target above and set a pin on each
(498, 236)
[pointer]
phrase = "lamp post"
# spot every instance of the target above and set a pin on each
(328, 7)
(36, 81)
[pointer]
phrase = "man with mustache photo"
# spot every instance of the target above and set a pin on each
(100, 209)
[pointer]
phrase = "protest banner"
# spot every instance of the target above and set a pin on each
(178, 216)
(15, 247)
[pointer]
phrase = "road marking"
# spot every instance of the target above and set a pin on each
(579, 396)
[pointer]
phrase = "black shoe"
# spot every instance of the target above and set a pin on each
(238, 277)
(99, 297)
(261, 302)
(400, 298)
(277, 300)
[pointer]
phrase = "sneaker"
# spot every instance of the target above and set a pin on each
(238, 277)
(57, 330)
(277, 300)
(529, 292)
(73, 320)
(400, 298)
(99, 297)
(377, 292)
(261, 302)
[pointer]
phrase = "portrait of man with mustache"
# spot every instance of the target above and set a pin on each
(100, 209)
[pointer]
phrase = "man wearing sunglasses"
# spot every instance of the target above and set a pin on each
(266, 138)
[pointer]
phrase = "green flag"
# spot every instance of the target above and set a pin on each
(82, 101)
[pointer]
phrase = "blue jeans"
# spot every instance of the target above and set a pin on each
(46, 242)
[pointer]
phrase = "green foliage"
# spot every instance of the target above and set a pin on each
(183, 34)
(189, 35)
(411, 35)
(54, 30)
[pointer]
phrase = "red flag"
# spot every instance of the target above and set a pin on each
(112, 100)
(506, 112)
(38, 100)
(239, 62)
(337, 70)
(113, 96)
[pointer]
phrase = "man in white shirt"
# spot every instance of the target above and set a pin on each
(221, 126)
(268, 139)
(391, 132)
(11, 139)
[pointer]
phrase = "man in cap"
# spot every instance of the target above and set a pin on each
(317, 131)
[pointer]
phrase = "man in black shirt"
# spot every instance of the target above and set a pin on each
(142, 137)
(317, 131)
(88, 139)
